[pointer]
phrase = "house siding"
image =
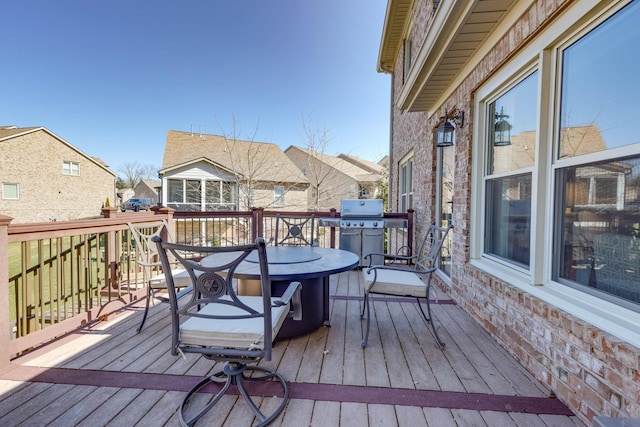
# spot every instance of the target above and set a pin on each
(590, 370)
(334, 185)
(34, 161)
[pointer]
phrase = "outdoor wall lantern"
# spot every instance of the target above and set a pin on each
(446, 128)
(502, 129)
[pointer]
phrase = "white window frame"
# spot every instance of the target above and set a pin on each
(70, 168)
(446, 277)
(405, 194)
(13, 185)
(278, 196)
(542, 53)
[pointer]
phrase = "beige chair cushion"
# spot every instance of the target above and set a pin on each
(241, 334)
(393, 282)
(181, 279)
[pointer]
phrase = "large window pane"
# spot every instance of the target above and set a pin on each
(599, 90)
(600, 211)
(405, 185)
(512, 125)
(213, 192)
(194, 191)
(228, 192)
(175, 192)
(511, 148)
(445, 166)
(508, 225)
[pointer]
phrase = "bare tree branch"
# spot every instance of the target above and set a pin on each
(133, 172)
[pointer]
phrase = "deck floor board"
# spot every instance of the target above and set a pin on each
(333, 380)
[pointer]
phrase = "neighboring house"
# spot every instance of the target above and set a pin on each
(332, 179)
(125, 194)
(372, 167)
(203, 172)
(541, 179)
(149, 189)
(45, 178)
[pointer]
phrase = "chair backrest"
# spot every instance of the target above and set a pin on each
(295, 230)
(146, 250)
(213, 289)
(430, 248)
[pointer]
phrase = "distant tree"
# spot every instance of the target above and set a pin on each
(120, 183)
(133, 172)
(383, 186)
(250, 163)
(316, 140)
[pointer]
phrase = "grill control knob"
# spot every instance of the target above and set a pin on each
(375, 223)
(361, 223)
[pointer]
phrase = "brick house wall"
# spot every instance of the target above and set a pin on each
(590, 370)
(34, 161)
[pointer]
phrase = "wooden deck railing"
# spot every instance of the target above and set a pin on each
(55, 277)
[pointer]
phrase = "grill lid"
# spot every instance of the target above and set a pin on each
(361, 208)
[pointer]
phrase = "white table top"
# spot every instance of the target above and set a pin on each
(291, 262)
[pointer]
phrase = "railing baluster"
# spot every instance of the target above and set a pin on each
(63, 275)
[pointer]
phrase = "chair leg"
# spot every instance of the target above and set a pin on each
(235, 374)
(366, 306)
(146, 307)
(429, 316)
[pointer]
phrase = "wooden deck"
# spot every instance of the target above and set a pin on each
(107, 374)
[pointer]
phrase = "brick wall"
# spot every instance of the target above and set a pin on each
(591, 371)
(34, 162)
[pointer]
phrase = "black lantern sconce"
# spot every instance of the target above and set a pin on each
(446, 129)
(502, 130)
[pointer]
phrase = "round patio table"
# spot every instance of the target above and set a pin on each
(311, 266)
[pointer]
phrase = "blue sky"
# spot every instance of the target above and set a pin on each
(112, 77)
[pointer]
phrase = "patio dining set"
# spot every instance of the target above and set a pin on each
(230, 304)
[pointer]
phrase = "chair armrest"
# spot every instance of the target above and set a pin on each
(150, 264)
(407, 269)
(392, 267)
(292, 295)
(385, 257)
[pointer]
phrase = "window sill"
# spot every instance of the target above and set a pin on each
(612, 318)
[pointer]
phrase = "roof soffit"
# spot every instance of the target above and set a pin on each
(457, 31)
(395, 22)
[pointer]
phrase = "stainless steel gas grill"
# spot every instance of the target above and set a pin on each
(362, 227)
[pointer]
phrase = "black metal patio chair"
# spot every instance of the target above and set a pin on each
(295, 230)
(225, 327)
(403, 275)
(148, 258)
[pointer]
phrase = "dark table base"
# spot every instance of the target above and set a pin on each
(315, 307)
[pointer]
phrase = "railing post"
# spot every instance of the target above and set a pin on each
(410, 213)
(257, 223)
(5, 326)
(332, 230)
(110, 212)
(110, 258)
